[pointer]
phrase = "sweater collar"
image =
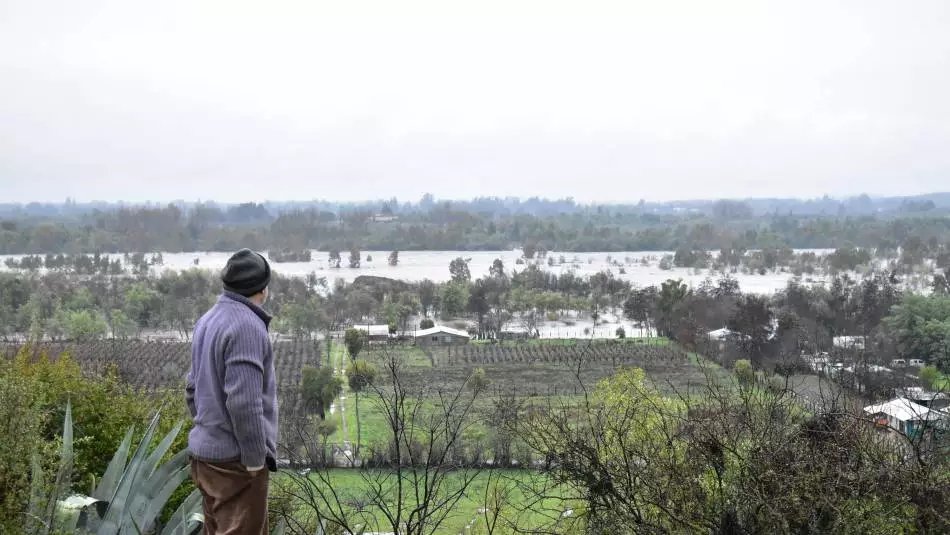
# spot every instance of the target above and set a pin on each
(261, 313)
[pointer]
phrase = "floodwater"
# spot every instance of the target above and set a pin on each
(640, 268)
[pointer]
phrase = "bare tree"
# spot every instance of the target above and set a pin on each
(414, 482)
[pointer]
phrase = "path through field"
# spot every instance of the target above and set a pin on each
(346, 450)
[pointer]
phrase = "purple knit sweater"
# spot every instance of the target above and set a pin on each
(231, 390)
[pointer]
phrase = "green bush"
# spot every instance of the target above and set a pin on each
(930, 377)
(34, 393)
(22, 420)
(743, 370)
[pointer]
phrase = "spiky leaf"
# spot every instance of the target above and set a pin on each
(186, 517)
(109, 483)
(117, 517)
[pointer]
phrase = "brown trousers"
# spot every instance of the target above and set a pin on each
(235, 501)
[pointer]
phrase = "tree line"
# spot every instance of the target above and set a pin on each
(801, 318)
(456, 226)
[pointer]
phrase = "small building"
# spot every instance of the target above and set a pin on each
(848, 342)
(721, 334)
(441, 336)
(927, 398)
(907, 416)
(374, 333)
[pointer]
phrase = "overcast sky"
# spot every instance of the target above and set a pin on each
(345, 100)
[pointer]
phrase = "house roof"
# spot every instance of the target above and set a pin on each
(904, 410)
(919, 393)
(373, 330)
(441, 329)
(847, 341)
(719, 334)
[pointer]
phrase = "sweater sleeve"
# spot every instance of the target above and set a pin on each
(190, 393)
(243, 391)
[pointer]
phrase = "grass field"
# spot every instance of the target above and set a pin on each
(514, 367)
(512, 496)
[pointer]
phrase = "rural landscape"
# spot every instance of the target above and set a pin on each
(494, 267)
(776, 378)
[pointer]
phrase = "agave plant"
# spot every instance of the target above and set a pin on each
(44, 516)
(130, 495)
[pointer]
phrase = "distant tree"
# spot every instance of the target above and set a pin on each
(427, 295)
(666, 263)
(426, 323)
(639, 307)
(121, 326)
(406, 306)
(319, 388)
(335, 258)
(941, 283)
(497, 268)
(920, 327)
(848, 258)
(753, 321)
(459, 271)
(529, 249)
(673, 294)
(394, 258)
(454, 299)
(354, 258)
(726, 287)
(727, 209)
(731, 256)
(354, 339)
(360, 374)
(83, 325)
(621, 333)
(302, 319)
(685, 257)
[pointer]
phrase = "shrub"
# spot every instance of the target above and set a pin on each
(34, 393)
(621, 334)
(930, 376)
(426, 323)
(743, 370)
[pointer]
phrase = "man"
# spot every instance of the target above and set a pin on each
(232, 395)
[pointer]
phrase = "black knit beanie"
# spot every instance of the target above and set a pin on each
(246, 273)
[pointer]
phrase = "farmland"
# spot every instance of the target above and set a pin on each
(512, 495)
(160, 366)
(555, 369)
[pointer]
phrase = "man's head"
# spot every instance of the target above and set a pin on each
(247, 273)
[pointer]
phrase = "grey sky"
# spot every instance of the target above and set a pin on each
(607, 101)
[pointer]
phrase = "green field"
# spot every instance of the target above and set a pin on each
(548, 372)
(520, 369)
(510, 497)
